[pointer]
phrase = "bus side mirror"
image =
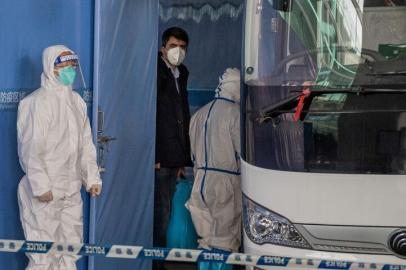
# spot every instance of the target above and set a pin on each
(282, 5)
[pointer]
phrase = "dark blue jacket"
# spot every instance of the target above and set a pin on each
(172, 148)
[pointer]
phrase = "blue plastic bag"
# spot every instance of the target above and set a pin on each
(214, 266)
(181, 232)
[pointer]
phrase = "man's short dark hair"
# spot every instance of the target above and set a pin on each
(176, 32)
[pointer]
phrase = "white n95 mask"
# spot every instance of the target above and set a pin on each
(176, 56)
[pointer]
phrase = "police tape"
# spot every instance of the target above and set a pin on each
(184, 255)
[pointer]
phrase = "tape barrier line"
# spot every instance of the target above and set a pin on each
(184, 255)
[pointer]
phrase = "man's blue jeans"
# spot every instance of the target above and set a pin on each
(165, 186)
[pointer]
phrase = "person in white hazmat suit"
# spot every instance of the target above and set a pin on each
(57, 154)
(215, 201)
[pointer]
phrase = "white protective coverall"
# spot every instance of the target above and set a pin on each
(215, 201)
(57, 154)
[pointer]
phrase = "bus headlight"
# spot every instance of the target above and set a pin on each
(264, 226)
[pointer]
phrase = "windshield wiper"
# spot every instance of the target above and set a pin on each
(388, 73)
(358, 89)
(287, 104)
(267, 112)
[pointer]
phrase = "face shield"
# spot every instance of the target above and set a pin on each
(68, 70)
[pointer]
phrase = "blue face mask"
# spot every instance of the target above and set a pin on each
(67, 75)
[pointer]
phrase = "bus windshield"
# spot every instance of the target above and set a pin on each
(351, 55)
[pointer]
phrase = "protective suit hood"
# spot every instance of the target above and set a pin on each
(229, 85)
(48, 78)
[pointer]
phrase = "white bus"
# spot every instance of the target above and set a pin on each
(325, 179)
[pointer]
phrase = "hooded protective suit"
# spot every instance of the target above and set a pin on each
(215, 202)
(57, 154)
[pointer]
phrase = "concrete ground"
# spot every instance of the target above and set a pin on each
(188, 266)
(180, 266)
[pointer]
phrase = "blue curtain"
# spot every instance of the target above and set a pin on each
(215, 33)
(27, 27)
(125, 86)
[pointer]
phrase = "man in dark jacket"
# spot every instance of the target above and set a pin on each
(172, 149)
